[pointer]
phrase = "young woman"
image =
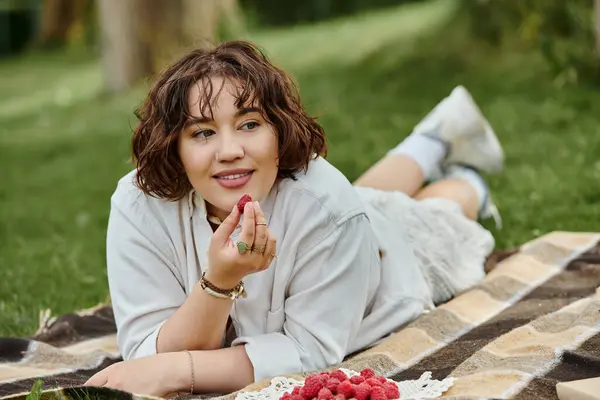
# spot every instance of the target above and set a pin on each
(314, 268)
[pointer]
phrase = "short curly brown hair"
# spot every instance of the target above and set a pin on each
(164, 114)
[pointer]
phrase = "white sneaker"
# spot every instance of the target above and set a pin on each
(458, 122)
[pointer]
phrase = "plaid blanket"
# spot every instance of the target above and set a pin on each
(532, 322)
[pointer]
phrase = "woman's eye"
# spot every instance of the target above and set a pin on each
(203, 134)
(250, 125)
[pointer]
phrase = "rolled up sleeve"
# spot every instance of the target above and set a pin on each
(145, 286)
(271, 354)
(327, 296)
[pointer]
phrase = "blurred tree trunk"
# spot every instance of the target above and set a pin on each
(59, 19)
(125, 58)
(140, 37)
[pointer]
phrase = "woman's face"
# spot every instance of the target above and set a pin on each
(229, 154)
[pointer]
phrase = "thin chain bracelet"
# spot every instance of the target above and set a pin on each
(191, 370)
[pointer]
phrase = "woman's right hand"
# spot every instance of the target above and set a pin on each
(226, 266)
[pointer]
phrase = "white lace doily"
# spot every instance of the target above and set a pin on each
(420, 389)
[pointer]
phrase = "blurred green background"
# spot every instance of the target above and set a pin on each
(73, 71)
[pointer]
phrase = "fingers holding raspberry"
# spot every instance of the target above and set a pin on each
(261, 230)
(264, 245)
(254, 250)
(248, 227)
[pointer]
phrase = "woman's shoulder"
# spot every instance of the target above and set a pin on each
(127, 194)
(130, 199)
(318, 204)
(326, 185)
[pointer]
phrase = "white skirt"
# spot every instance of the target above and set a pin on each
(450, 249)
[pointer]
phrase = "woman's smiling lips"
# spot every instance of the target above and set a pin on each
(233, 178)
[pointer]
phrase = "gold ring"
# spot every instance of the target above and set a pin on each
(261, 223)
(242, 247)
(259, 249)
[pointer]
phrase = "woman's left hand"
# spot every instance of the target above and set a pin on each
(156, 375)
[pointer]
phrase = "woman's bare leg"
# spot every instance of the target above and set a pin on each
(394, 172)
(406, 167)
(458, 190)
(408, 171)
(454, 133)
(401, 173)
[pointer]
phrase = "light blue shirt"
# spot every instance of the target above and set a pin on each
(327, 294)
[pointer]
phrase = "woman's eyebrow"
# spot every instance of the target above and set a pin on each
(197, 120)
(247, 110)
(207, 120)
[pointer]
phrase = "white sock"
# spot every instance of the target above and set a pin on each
(427, 152)
(473, 178)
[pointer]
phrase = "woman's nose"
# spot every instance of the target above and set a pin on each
(230, 148)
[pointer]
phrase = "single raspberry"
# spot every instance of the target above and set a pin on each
(339, 397)
(377, 393)
(339, 375)
(381, 379)
(242, 202)
(391, 390)
(285, 396)
(325, 394)
(296, 390)
(367, 373)
(314, 378)
(374, 382)
(345, 389)
(332, 384)
(362, 391)
(296, 397)
(324, 377)
(312, 385)
(357, 380)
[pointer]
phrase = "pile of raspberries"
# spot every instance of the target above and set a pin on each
(336, 385)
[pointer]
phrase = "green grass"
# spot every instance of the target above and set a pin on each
(63, 145)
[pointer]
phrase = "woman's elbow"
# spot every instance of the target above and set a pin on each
(322, 358)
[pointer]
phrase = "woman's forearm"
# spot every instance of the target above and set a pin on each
(222, 371)
(214, 371)
(199, 324)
